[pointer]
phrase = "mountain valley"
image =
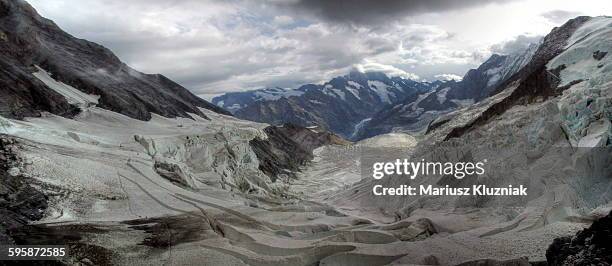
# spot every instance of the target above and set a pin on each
(129, 168)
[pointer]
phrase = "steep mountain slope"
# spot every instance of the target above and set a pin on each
(415, 113)
(27, 40)
(338, 105)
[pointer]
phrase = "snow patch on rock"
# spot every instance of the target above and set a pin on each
(441, 95)
(381, 89)
(72, 95)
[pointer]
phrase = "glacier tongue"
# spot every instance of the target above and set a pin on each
(359, 126)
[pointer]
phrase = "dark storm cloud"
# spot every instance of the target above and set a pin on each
(368, 12)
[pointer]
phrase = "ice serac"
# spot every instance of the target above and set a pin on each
(28, 40)
(337, 106)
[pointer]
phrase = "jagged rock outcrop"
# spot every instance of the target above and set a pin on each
(289, 147)
(28, 40)
(591, 246)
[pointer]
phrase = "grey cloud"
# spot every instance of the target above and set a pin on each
(373, 12)
(519, 44)
(217, 46)
(559, 16)
(448, 77)
(379, 45)
(429, 72)
(387, 69)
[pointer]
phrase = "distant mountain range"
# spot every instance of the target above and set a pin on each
(361, 105)
(338, 105)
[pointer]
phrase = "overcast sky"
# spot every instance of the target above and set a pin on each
(216, 46)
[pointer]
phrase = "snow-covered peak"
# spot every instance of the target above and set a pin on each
(381, 89)
(367, 87)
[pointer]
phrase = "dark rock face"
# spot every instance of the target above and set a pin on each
(478, 83)
(20, 203)
(171, 172)
(27, 39)
(310, 138)
(338, 105)
(591, 246)
(289, 147)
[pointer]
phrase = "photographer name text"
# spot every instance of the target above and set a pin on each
(475, 190)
